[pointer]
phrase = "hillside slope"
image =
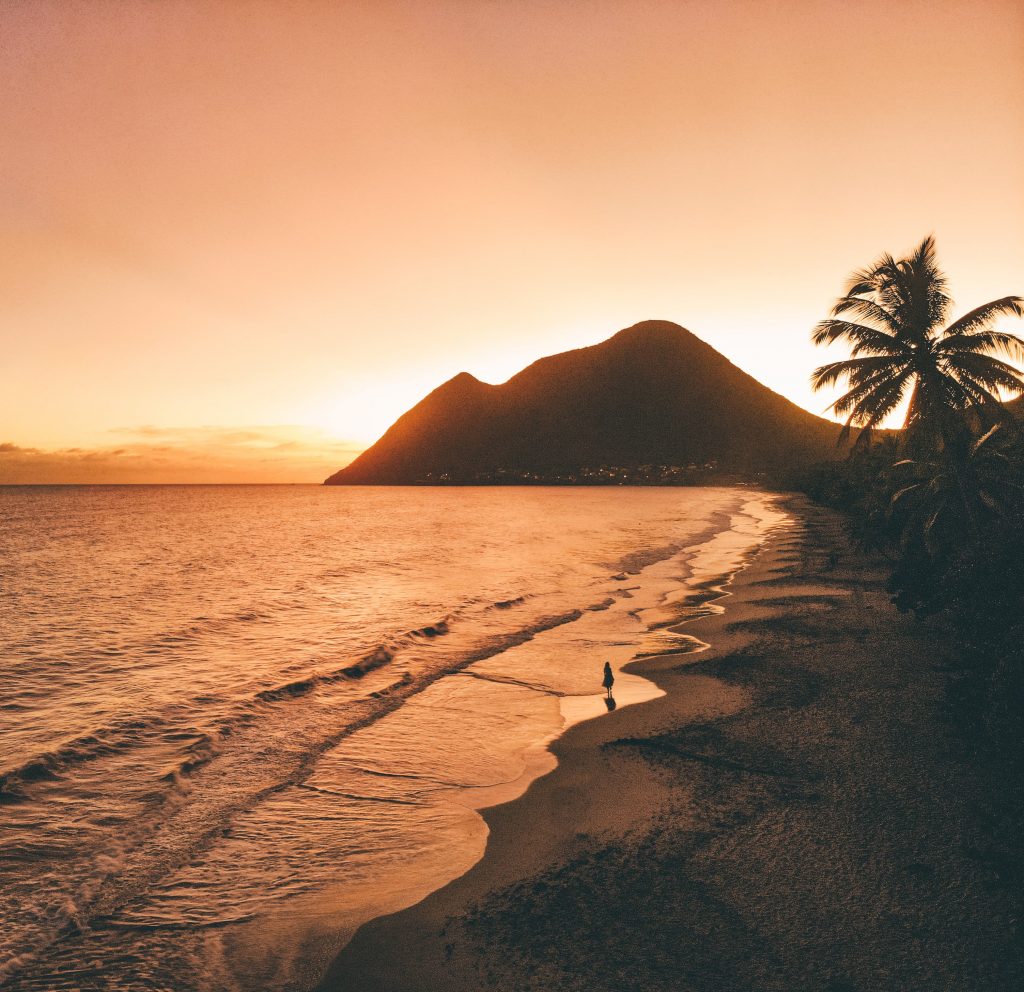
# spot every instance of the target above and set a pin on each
(652, 394)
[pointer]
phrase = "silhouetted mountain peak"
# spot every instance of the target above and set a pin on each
(462, 390)
(458, 385)
(663, 337)
(653, 331)
(653, 394)
(464, 380)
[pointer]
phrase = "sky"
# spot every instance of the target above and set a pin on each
(244, 237)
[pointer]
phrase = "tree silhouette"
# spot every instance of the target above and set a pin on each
(893, 314)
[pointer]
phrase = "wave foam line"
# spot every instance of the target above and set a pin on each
(169, 847)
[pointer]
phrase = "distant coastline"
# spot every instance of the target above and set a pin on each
(603, 475)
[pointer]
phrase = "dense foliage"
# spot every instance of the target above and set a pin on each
(952, 522)
(943, 499)
(952, 525)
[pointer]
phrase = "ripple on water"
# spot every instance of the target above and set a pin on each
(203, 828)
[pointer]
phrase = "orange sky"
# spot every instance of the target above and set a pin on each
(304, 216)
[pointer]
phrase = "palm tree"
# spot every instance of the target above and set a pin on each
(943, 499)
(893, 315)
(959, 515)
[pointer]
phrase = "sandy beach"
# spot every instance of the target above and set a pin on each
(798, 812)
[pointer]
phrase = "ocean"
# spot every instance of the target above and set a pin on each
(237, 722)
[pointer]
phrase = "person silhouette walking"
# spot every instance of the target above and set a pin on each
(609, 679)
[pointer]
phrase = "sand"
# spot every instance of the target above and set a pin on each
(798, 812)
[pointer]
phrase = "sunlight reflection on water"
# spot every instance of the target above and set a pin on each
(194, 795)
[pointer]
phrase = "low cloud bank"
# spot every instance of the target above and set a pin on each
(184, 455)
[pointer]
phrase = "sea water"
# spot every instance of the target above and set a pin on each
(238, 722)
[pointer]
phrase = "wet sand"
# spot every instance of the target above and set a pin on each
(798, 812)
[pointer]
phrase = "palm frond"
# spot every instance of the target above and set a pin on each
(859, 399)
(984, 340)
(985, 371)
(865, 309)
(862, 336)
(901, 493)
(857, 370)
(985, 439)
(866, 280)
(887, 398)
(964, 393)
(982, 316)
(869, 402)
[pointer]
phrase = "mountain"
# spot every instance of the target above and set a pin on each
(654, 394)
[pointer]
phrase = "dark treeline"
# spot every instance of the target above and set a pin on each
(943, 499)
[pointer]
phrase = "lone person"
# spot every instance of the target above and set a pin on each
(609, 679)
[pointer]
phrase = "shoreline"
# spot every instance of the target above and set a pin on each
(544, 684)
(788, 816)
(710, 561)
(294, 946)
(700, 596)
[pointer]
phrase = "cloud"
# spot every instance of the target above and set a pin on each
(148, 454)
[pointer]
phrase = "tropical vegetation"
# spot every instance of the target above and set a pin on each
(893, 315)
(943, 497)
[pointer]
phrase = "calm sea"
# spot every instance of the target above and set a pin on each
(238, 722)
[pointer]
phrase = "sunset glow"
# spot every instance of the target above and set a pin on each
(308, 216)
